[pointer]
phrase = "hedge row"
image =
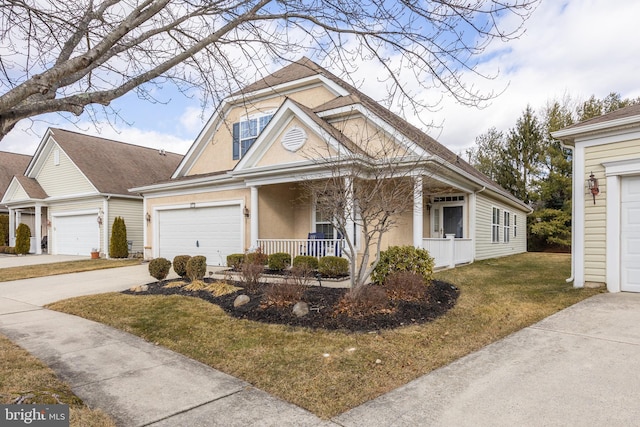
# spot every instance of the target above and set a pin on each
(330, 266)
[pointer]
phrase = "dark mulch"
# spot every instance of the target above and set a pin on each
(439, 298)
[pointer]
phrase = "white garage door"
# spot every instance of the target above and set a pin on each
(76, 234)
(630, 235)
(214, 232)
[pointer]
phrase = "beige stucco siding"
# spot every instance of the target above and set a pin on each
(64, 178)
(595, 224)
(485, 248)
(131, 211)
(284, 214)
(218, 153)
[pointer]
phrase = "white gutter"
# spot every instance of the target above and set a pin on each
(573, 214)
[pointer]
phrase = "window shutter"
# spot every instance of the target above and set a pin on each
(236, 141)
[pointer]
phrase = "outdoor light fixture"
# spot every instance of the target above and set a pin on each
(148, 217)
(246, 212)
(592, 182)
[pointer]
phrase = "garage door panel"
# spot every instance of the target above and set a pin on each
(630, 235)
(76, 234)
(214, 232)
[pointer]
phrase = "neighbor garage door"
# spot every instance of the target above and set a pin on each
(214, 232)
(75, 234)
(630, 235)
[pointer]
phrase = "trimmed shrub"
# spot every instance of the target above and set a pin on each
(159, 268)
(180, 265)
(23, 239)
(405, 286)
(279, 261)
(118, 247)
(282, 294)
(333, 266)
(310, 262)
(235, 261)
(366, 301)
(196, 267)
(10, 250)
(257, 258)
(403, 258)
(4, 230)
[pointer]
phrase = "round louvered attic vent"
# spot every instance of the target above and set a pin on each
(294, 139)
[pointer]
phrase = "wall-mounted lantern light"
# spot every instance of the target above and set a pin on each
(246, 212)
(148, 217)
(592, 182)
(99, 219)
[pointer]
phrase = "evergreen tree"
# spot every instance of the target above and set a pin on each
(118, 247)
(23, 239)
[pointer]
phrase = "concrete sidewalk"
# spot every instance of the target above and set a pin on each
(134, 381)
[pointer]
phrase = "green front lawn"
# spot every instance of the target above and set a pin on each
(330, 372)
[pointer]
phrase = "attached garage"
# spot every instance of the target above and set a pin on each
(212, 231)
(630, 234)
(75, 234)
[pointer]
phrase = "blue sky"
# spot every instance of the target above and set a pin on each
(576, 48)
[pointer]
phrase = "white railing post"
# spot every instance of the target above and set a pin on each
(417, 212)
(452, 249)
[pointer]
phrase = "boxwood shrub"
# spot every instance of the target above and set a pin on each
(309, 261)
(159, 268)
(197, 267)
(403, 258)
(279, 261)
(333, 266)
(180, 265)
(235, 261)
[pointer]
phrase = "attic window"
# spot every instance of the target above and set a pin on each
(56, 157)
(294, 139)
(246, 132)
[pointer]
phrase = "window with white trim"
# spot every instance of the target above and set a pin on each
(515, 225)
(495, 226)
(246, 132)
(507, 226)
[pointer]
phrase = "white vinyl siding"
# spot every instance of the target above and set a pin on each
(595, 224)
(485, 248)
(64, 179)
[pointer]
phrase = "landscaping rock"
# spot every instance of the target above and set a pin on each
(139, 288)
(301, 309)
(241, 300)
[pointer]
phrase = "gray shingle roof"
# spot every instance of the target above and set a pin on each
(114, 167)
(622, 113)
(11, 164)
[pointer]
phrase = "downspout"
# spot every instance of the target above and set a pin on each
(105, 225)
(573, 212)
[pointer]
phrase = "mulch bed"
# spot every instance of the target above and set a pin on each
(439, 298)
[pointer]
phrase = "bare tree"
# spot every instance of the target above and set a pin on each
(365, 194)
(75, 56)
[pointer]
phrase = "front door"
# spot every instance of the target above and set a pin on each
(452, 220)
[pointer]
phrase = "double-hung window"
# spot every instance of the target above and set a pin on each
(515, 225)
(507, 226)
(246, 132)
(495, 226)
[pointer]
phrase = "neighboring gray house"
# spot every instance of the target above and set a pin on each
(74, 187)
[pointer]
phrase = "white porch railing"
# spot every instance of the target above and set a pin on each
(294, 247)
(449, 252)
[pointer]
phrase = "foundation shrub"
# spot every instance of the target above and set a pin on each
(405, 286)
(180, 265)
(279, 261)
(118, 247)
(159, 268)
(23, 239)
(333, 266)
(196, 267)
(403, 258)
(235, 261)
(309, 261)
(250, 275)
(282, 294)
(256, 257)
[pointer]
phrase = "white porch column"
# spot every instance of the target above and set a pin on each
(254, 217)
(38, 227)
(417, 212)
(12, 227)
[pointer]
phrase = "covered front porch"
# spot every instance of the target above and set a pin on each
(284, 219)
(35, 217)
